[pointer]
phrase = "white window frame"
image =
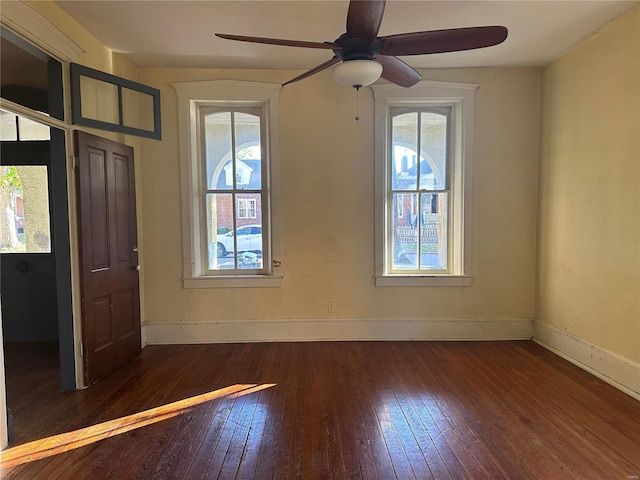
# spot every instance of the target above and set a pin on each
(460, 96)
(192, 97)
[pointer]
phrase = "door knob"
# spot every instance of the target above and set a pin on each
(136, 268)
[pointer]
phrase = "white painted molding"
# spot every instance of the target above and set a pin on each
(614, 369)
(143, 335)
(29, 23)
(277, 330)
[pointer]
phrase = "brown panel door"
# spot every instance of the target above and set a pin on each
(109, 255)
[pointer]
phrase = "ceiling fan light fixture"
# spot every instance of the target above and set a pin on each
(357, 73)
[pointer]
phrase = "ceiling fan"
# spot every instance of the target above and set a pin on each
(364, 57)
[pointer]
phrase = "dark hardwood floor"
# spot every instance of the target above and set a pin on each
(343, 410)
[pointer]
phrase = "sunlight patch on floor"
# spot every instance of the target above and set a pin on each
(64, 442)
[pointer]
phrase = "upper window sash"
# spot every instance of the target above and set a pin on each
(426, 95)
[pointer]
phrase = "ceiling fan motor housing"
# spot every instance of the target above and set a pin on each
(354, 48)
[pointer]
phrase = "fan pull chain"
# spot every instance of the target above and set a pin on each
(357, 118)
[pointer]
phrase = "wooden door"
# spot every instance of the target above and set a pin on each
(109, 255)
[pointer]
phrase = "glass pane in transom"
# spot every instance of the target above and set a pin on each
(8, 126)
(30, 130)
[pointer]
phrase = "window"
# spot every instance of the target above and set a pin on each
(423, 149)
(228, 147)
(24, 209)
(246, 208)
(232, 155)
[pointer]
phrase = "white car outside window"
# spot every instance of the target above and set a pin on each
(249, 239)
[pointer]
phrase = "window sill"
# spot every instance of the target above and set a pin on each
(424, 281)
(256, 281)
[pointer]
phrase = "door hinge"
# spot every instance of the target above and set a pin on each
(73, 161)
(82, 352)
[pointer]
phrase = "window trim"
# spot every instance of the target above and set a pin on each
(427, 94)
(191, 96)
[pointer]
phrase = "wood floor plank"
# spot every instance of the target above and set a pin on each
(178, 455)
(406, 432)
(272, 456)
(474, 403)
(538, 427)
(336, 410)
(583, 426)
(319, 448)
(357, 454)
(251, 449)
(366, 369)
(432, 368)
(212, 452)
(243, 454)
(497, 403)
(438, 455)
(336, 451)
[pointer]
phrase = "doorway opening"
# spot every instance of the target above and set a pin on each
(35, 287)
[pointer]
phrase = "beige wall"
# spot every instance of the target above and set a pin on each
(327, 207)
(589, 214)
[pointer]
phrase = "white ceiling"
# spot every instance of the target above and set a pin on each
(181, 33)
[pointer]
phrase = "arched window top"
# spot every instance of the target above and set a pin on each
(423, 130)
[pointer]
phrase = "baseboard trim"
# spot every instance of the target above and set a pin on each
(283, 330)
(614, 369)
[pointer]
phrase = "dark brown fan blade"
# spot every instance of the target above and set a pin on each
(314, 70)
(398, 72)
(278, 41)
(364, 18)
(440, 41)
